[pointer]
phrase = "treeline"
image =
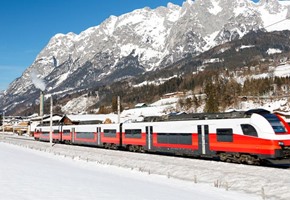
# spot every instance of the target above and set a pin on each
(221, 91)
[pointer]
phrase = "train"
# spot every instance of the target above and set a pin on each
(253, 137)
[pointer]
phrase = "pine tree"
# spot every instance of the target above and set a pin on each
(212, 102)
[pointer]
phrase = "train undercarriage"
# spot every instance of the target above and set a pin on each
(240, 158)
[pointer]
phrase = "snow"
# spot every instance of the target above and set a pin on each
(157, 109)
(151, 30)
(110, 27)
(54, 118)
(273, 51)
(190, 2)
(155, 82)
(79, 104)
(279, 71)
(167, 105)
(242, 9)
(210, 40)
(247, 46)
(284, 2)
(165, 101)
(215, 9)
(31, 174)
(173, 16)
(271, 105)
(62, 78)
(90, 117)
(282, 71)
(276, 21)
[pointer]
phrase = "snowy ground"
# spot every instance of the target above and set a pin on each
(34, 170)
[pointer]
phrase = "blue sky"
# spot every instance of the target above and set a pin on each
(28, 25)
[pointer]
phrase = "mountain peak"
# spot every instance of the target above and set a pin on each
(172, 6)
(142, 40)
(189, 2)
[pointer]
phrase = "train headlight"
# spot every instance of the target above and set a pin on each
(281, 143)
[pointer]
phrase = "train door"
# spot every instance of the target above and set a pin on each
(203, 139)
(121, 135)
(60, 133)
(73, 135)
(98, 136)
(149, 137)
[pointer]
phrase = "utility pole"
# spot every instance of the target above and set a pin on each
(50, 133)
(3, 119)
(118, 109)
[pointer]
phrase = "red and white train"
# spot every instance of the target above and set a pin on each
(253, 138)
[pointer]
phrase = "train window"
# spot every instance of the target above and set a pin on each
(86, 135)
(55, 131)
(174, 138)
(275, 123)
(249, 130)
(110, 132)
(66, 131)
(224, 135)
(133, 133)
(162, 138)
(185, 138)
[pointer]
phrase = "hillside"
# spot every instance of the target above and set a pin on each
(127, 50)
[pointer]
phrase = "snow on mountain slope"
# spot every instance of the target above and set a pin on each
(142, 40)
(275, 15)
(284, 2)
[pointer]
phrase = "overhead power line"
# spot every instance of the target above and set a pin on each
(278, 22)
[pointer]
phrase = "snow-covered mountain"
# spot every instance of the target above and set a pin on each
(143, 40)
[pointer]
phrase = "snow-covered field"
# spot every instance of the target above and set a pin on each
(35, 170)
(29, 174)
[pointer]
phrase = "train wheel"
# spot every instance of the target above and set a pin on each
(130, 148)
(141, 149)
(114, 146)
(251, 160)
(223, 157)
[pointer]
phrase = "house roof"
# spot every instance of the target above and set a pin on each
(99, 117)
(54, 118)
(140, 105)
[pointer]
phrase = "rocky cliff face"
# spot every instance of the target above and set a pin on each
(141, 41)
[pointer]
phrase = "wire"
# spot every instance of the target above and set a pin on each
(278, 22)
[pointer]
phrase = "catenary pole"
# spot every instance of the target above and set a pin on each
(118, 100)
(3, 119)
(50, 133)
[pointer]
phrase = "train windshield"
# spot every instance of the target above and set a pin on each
(275, 122)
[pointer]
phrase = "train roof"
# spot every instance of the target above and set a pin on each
(224, 115)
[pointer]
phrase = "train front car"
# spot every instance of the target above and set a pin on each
(274, 135)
